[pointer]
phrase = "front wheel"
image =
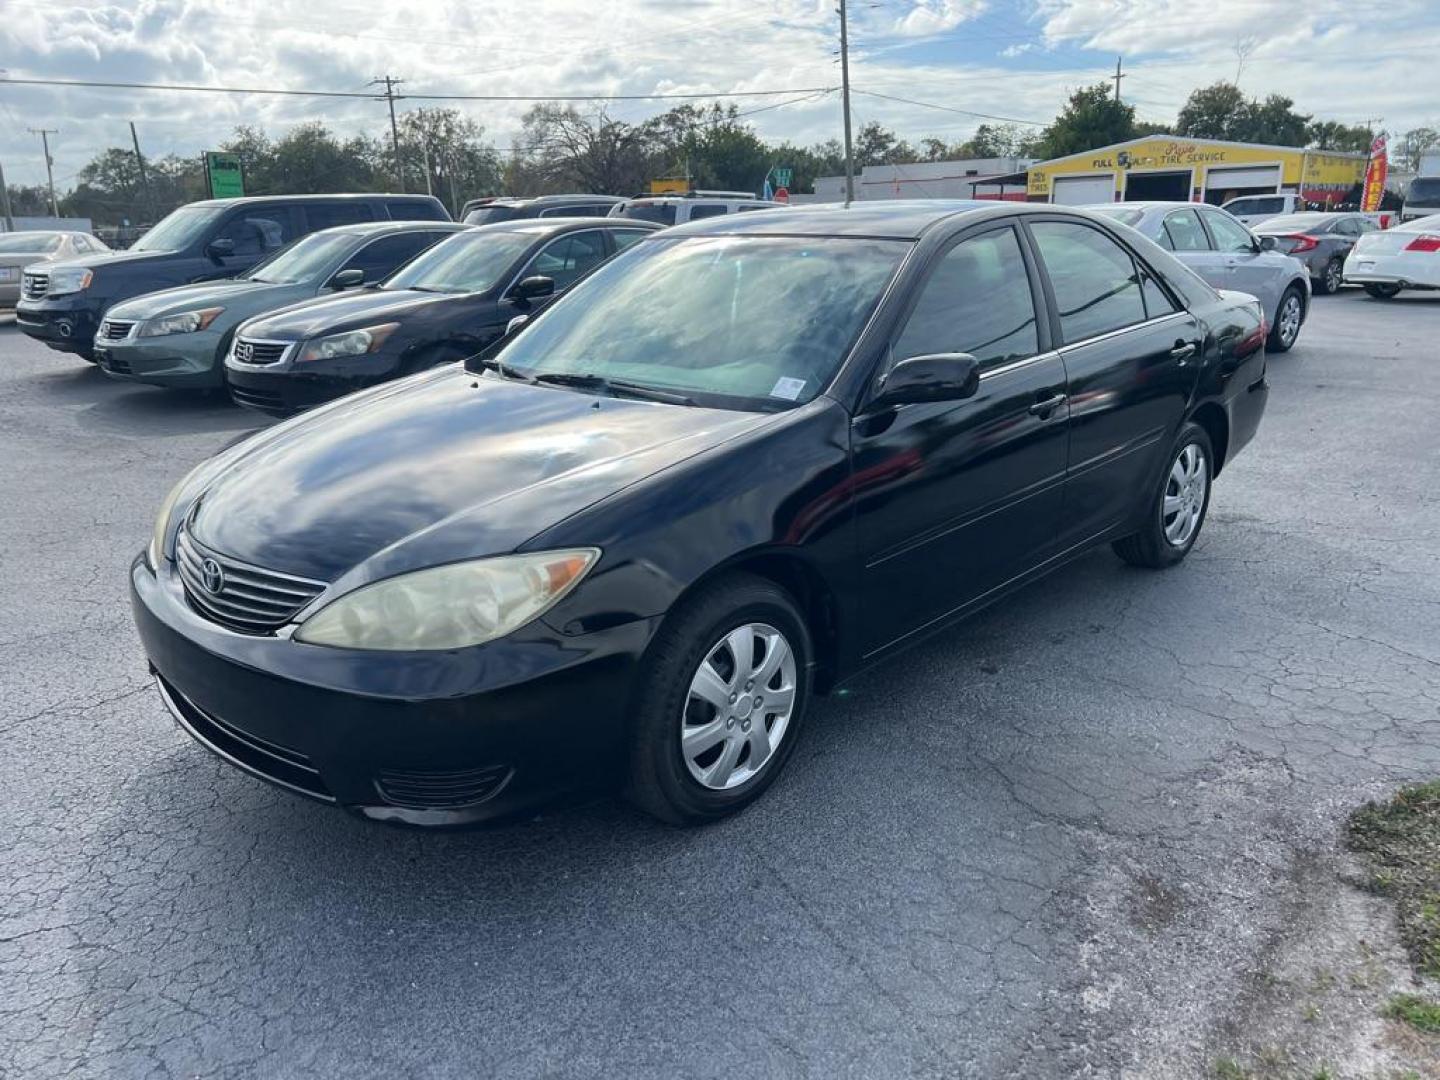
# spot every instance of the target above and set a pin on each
(720, 702)
(1176, 511)
(1383, 292)
(1288, 317)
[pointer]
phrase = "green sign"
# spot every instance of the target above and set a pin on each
(783, 176)
(225, 174)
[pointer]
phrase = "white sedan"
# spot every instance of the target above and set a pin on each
(1405, 257)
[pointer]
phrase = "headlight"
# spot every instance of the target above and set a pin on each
(69, 280)
(155, 553)
(449, 607)
(349, 343)
(187, 322)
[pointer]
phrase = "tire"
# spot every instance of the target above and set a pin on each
(665, 776)
(1159, 544)
(1383, 292)
(1330, 278)
(1289, 314)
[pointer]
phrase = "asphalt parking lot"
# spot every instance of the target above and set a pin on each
(1057, 841)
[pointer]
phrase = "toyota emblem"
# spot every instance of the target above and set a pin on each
(212, 576)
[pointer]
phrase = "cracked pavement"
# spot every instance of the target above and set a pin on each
(1056, 841)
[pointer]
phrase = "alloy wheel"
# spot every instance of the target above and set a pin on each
(739, 706)
(1333, 276)
(1184, 499)
(1290, 319)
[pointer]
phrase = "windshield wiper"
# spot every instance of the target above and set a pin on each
(503, 369)
(617, 388)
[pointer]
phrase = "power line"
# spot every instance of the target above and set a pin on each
(413, 97)
(951, 109)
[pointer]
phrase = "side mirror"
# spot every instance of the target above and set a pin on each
(934, 377)
(220, 247)
(516, 324)
(1267, 243)
(348, 279)
(534, 287)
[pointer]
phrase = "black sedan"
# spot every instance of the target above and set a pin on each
(448, 303)
(733, 467)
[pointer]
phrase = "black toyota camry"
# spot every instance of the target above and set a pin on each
(731, 468)
(447, 303)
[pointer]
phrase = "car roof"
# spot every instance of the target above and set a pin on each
(545, 226)
(379, 228)
(342, 196)
(899, 219)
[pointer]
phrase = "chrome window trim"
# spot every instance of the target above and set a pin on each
(1016, 365)
(1125, 329)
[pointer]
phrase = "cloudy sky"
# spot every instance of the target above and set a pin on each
(1339, 59)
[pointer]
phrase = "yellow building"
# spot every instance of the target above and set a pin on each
(1198, 170)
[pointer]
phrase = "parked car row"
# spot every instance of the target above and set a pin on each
(726, 470)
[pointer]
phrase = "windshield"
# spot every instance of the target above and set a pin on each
(178, 230)
(1424, 189)
(307, 258)
(28, 243)
(487, 215)
(753, 322)
(664, 213)
(1126, 215)
(467, 263)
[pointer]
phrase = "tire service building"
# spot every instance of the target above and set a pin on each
(1164, 167)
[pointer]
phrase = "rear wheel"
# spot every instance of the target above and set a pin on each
(1177, 508)
(1383, 292)
(1330, 280)
(720, 702)
(1288, 317)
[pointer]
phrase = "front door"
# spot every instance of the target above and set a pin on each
(1132, 355)
(955, 498)
(1249, 269)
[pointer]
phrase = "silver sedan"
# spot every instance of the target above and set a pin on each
(19, 249)
(1227, 255)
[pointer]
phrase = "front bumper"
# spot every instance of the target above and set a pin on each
(289, 387)
(67, 323)
(188, 361)
(430, 739)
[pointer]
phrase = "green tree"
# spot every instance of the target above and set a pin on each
(1092, 117)
(1330, 135)
(1212, 112)
(1414, 143)
(452, 147)
(876, 144)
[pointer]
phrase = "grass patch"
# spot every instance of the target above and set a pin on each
(1415, 1011)
(1401, 841)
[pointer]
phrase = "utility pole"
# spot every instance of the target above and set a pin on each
(5, 202)
(45, 134)
(389, 96)
(425, 149)
(144, 178)
(845, 103)
(1117, 77)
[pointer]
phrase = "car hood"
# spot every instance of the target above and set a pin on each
(339, 313)
(99, 263)
(203, 295)
(445, 466)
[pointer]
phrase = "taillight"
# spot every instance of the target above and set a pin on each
(1302, 242)
(1424, 242)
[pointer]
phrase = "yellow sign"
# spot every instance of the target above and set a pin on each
(670, 186)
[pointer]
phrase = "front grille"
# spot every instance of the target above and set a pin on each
(112, 363)
(270, 761)
(35, 286)
(115, 331)
(259, 352)
(236, 595)
(265, 400)
(442, 790)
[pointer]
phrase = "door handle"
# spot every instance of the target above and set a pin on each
(1183, 350)
(1043, 409)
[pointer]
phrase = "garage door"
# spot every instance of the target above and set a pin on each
(1079, 190)
(1264, 178)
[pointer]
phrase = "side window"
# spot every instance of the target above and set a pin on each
(1097, 288)
(625, 237)
(1156, 302)
(703, 211)
(559, 211)
(1348, 227)
(416, 210)
(567, 258)
(380, 257)
(1182, 229)
(1365, 225)
(258, 232)
(328, 215)
(1229, 235)
(976, 300)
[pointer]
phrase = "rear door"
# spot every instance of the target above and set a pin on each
(955, 498)
(1183, 234)
(1131, 355)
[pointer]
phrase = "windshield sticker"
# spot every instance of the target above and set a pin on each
(787, 388)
